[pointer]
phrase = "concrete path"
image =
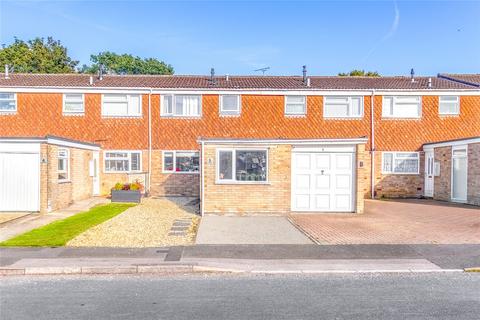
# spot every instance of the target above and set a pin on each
(248, 230)
(35, 220)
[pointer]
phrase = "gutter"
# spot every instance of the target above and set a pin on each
(372, 145)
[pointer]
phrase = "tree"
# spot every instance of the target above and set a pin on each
(359, 73)
(37, 56)
(126, 64)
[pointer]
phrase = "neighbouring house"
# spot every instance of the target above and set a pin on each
(452, 170)
(243, 144)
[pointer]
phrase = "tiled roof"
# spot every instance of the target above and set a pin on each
(234, 82)
(469, 79)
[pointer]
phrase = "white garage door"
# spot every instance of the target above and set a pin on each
(19, 181)
(322, 182)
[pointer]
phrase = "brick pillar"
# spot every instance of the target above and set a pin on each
(43, 178)
(362, 178)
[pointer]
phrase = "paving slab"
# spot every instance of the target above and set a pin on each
(249, 230)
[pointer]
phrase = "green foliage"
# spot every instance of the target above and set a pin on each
(58, 233)
(114, 63)
(118, 186)
(37, 56)
(359, 73)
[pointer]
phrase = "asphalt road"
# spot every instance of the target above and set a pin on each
(350, 296)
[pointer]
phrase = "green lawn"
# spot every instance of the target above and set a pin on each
(58, 233)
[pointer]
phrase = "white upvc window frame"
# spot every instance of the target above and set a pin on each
(230, 112)
(350, 115)
(457, 102)
(64, 157)
(234, 180)
(395, 156)
(14, 99)
(171, 114)
(286, 103)
(128, 97)
(129, 158)
(396, 104)
(66, 112)
(174, 157)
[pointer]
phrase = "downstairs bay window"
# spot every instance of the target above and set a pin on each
(242, 166)
(181, 162)
(123, 161)
(400, 162)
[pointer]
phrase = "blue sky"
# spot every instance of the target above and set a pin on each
(238, 37)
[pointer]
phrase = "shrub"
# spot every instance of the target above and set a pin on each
(134, 186)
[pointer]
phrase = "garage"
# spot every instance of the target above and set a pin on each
(19, 177)
(322, 179)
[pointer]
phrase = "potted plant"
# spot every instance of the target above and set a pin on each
(127, 192)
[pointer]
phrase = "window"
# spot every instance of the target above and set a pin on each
(342, 107)
(121, 105)
(402, 106)
(181, 161)
(8, 102)
(249, 166)
(73, 104)
(295, 105)
(123, 161)
(230, 104)
(181, 105)
(400, 162)
(449, 105)
(63, 165)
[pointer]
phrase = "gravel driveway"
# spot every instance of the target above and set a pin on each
(146, 225)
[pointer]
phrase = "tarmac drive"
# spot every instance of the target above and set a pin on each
(349, 296)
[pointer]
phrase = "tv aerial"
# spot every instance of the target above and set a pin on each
(262, 70)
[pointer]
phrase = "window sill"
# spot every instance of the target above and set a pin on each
(230, 115)
(295, 115)
(124, 172)
(401, 118)
(73, 114)
(64, 181)
(181, 172)
(180, 117)
(121, 117)
(266, 183)
(453, 115)
(8, 113)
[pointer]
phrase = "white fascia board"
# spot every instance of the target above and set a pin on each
(71, 144)
(287, 141)
(18, 146)
(429, 147)
(306, 92)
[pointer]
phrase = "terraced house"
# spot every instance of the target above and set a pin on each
(243, 144)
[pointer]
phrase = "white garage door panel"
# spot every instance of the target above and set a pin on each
(322, 182)
(19, 181)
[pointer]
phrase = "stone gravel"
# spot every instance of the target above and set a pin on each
(146, 225)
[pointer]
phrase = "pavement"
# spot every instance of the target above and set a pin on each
(259, 230)
(240, 259)
(414, 221)
(31, 221)
(452, 296)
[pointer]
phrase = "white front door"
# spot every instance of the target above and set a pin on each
(429, 174)
(19, 181)
(322, 182)
(459, 174)
(96, 173)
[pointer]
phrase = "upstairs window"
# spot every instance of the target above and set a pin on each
(63, 169)
(230, 104)
(8, 102)
(181, 105)
(449, 105)
(123, 161)
(242, 166)
(400, 162)
(121, 105)
(342, 107)
(181, 161)
(73, 104)
(402, 107)
(295, 105)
